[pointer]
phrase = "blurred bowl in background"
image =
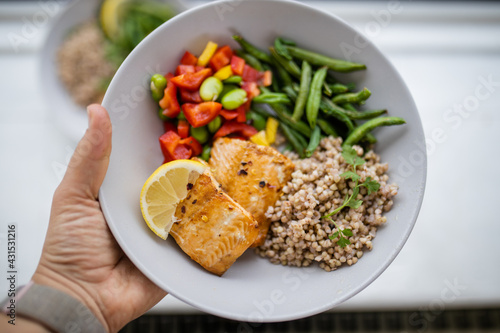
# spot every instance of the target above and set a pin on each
(69, 116)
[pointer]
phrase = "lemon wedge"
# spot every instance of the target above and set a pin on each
(164, 190)
(110, 17)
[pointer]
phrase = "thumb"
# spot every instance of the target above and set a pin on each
(89, 163)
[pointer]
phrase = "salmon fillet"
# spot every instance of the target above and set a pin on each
(211, 227)
(252, 175)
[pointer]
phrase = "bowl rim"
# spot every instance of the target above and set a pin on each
(314, 309)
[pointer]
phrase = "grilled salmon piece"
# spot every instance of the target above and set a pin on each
(252, 175)
(211, 227)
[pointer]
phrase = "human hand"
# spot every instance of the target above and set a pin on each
(80, 255)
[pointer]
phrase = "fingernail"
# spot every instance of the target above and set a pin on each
(89, 115)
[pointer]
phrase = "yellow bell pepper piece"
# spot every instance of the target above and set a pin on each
(207, 54)
(224, 73)
(260, 138)
(271, 129)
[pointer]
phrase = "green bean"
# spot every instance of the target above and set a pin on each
(252, 50)
(215, 124)
(181, 116)
(286, 41)
(234, 79)
(205, 155)
(370, 139)
(289, 65)
(250, 59)
(283, 74)
(234, 99)
(327, 127)
(288, 90)
(369, 114)
(293, 139)
(359, 97)
(258, 121)
(281, 50)
(158, 85)
(331, 109)
(200, 134)
(283, 115)
(305, 82)
(265, 90)
(354, 114)
(270, 98)
(210, 89)
(322, 60)
(327, 90)
(361, 131)
(314, 98)
(313, 141)
(338, 88)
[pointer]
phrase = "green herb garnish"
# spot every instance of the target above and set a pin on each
(351, 158)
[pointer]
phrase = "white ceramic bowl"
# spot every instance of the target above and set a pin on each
(69, 117)
(253, 289)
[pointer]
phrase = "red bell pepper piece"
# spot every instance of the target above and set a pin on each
(171, 147)
(189, 59)
(249, 74)
(251, 88)
(242, 114)
(234, 127)
(183, 69)
(183, 129)
(169, 126)
(192, 143)
(265, 78)
(192, 81)
(169, 102)
(201, 114)
(237, 65)
(221, 58)
(229, 114)
(198, 68)
(188, 96)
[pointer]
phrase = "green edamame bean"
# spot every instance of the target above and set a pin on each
(235, 79)
(200, 134)
(158, 85)
(314, 98)
(321, 60)
(313, 141)
(305, 82)
(358, 97)
(162, 116)
(210, 89)
(215, 124)
(361, 131)
(205, 155)
(258, 121)
(234, 99)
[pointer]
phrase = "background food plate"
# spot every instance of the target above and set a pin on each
(69, 117)
(253, 289)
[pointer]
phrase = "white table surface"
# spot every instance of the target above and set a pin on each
(445, 54)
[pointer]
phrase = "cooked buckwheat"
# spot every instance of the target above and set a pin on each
(298, 236)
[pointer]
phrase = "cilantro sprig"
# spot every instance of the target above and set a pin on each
(351, 158)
